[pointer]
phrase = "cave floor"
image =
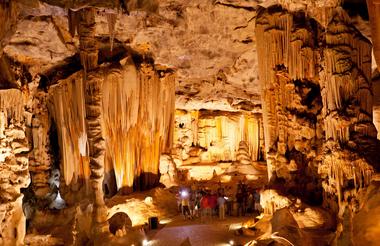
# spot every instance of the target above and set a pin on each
(193, 232)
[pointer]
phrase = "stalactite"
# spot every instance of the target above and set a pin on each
(73, 19)
(339, 173)
(67, 107)
(111, 19)
(137, 122)
(145, 119)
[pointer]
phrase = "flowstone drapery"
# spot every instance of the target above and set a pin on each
(137, 107)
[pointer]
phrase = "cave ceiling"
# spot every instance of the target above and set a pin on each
(214, 54)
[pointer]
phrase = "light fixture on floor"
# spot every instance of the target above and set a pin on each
(145, 242)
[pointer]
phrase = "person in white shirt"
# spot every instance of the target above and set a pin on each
(222, 207)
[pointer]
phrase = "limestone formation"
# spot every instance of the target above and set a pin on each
(41, 161)
(127, 112)
(215, 135)
(317, 100)
(168, 171)
(14, 160)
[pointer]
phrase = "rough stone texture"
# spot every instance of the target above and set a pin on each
(14, 150)
(214, 62)
(168, 171)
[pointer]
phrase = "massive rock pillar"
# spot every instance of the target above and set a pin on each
(290, 89)
(40, 159)
(93, 108)
(315, 73)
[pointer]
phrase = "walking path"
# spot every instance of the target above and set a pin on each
(184, 232)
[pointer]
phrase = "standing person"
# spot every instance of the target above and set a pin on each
(179, 200)
(240, 202)
(213, 203)
(204, 207)
(197, 204)
(192, 204)
(185, 202)
(221, 207)
(244, 190)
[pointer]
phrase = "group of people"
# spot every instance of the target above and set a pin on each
(206, 203)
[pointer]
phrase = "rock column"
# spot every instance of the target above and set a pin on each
(93, 107)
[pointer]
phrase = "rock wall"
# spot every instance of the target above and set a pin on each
(14, 150)
(9, 12)
(317, 100)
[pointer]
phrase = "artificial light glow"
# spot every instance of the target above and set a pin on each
(235, 226)
(184, 193)
(165, 221)
(251, 177)
(232, 242)
(145, 242)
(260, 216)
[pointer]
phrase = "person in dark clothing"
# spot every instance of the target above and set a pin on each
(240, 202)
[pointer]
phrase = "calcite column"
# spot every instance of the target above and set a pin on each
(93, 107)
(14, 173)
(40, 161)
